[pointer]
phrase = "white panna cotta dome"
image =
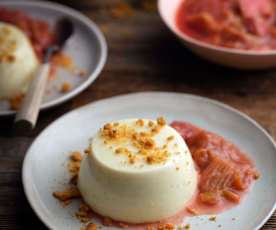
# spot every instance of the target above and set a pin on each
(18, 61)
(137, 171)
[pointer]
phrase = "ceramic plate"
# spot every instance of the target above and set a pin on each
(44, 169)
(87, 48)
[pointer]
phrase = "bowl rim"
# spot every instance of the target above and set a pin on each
(206, 45)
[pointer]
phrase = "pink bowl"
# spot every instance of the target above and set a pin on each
(242, 59)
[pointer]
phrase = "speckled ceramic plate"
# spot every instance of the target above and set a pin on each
(87, 48)
(44, 169)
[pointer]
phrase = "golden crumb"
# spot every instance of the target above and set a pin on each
(161, 121)
(66, 87)
(155, 130)
(6, 57)
(62, 60)
(256, 175)
(139, 122)
(68, 194)
(149, 143)
(76, 156)
(187, 226)
(84, 214)
(74, 166)
(151, 124)
(82, 73)
(91, 226)
(170, 138)
(213, 218)
(131, 159)
(88, 150)
(192, 211)
(150, 160)
(121, 150)
(144, 143)
(167, 226)
(66, 203)
(111, 132)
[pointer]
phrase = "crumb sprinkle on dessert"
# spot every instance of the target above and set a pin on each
(142, 141)
(91, 226)
(167, 226)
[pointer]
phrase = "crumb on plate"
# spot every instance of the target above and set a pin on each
(213, 218)
(65, 87)
(68, 194)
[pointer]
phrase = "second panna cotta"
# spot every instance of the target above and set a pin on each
(137, 171)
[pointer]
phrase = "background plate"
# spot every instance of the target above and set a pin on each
(44, 168)
(87, 48)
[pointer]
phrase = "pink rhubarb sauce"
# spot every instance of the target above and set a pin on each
(225, 175)
(240, 24)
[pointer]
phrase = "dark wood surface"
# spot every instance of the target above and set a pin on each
(143, 56)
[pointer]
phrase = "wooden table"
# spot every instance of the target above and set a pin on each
(143, 56)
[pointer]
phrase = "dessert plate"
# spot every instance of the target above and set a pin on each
(44, 168)
(87, 48)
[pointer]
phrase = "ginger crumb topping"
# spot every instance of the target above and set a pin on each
(167, 226)
(66, 87)
(213, 218)
(76, 156)
(187, 226)
(84, 214)
(150, 124)
(143, 141)
(91, 226)
(158, 157)
(139, 122)
(7, 48)
(88, 150)
(170, 138)
(68, 194)
(161, 121)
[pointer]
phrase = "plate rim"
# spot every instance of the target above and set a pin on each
(27, 158)
(91, 25)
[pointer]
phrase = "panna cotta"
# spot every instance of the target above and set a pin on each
(137, 171)
(18, 61)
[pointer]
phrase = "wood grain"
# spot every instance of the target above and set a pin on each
(143, 56)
